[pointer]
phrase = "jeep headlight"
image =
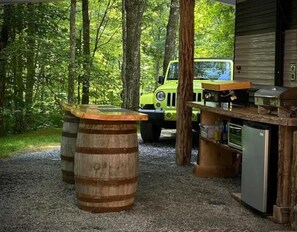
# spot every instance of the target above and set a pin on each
(160, 96)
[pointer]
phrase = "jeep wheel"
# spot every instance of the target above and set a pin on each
(149, 132)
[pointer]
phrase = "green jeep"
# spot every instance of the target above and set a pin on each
(161, 104)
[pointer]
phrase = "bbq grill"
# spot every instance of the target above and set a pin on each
(276, 100)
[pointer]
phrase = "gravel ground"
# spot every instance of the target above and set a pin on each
(169, 198)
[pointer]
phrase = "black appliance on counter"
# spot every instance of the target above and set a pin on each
(238, 97)
(235, 92)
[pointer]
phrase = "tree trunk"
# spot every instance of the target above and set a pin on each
(17, 67)
(134, 12)
(185, 83)
(71, 67)
(30, 63)
(3, 43)
(19, 89)
(86, 53)
(79, 54)
(171, 34)
(157, 68)
(20, 125)
(124, 39)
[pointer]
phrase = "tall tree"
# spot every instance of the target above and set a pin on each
(71, 67)
(171, 34)
(86, 53)
(3, 43)
(134, 12)
(185, 83)
(78, 54)
(30, 62)
(124, 39)
(18, 66)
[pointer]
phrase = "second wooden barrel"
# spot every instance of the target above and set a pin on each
(69, 135)
(106, 165)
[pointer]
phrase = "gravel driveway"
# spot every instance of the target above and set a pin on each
(169, 198)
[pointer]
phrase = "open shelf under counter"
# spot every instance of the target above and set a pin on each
(222, 145)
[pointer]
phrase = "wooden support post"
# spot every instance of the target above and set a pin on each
(293, 216)
(281, 211)
(185, 85)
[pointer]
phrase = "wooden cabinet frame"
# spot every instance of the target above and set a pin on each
(213, 161)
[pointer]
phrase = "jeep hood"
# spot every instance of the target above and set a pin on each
(147, 99)
(172, 85)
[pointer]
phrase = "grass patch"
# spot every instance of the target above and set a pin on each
(42, 140)
(33, 141)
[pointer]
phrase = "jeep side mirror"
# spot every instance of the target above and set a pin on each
(161, 80)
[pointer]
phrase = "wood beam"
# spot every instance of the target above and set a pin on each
(185, 83)
(280, 27)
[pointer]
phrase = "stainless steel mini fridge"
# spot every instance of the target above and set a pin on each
(259, 165)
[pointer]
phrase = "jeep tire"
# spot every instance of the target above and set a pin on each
(149, 132)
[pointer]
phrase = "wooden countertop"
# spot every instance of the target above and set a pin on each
(245, 113)
(227, 85)
(104, 112)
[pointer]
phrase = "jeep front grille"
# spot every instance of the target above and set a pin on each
(171, 98)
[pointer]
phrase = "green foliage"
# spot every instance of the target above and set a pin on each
(33, 141)
(44, 117)
(214, 36)
(106, 50)
(106, 86)
(51, 62)
(214, 29)
(152, 43)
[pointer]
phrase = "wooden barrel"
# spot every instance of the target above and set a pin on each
(106, 165)
(69, 135)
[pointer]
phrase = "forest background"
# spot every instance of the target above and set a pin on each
(37, 66)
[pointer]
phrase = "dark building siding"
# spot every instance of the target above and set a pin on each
(255, 17)
(255, 30)
(265, 41)
(290, 48)
(292, 15)
(290, 56)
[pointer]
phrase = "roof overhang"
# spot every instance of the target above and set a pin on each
(24, 1)
(230, 2)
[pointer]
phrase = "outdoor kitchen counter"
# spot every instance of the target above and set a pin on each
(217, 162)
(245, 113)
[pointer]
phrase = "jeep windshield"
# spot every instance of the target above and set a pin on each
(204, 70)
